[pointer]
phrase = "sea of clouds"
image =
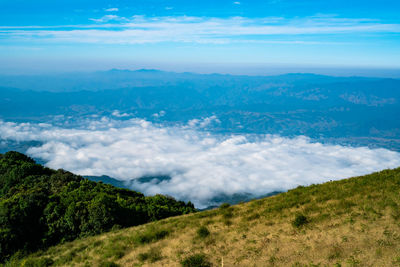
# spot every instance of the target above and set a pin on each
(202, 165)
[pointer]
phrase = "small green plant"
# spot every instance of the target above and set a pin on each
(300, 220)
(396, 260)
(203, 232)
(272, 260)
(352, 261)
(196, 260)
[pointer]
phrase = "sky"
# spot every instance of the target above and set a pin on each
(200, 36)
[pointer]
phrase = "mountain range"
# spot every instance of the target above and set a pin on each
(345, 110)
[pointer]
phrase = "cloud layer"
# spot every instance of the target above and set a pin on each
(202, 165)
(114, 29)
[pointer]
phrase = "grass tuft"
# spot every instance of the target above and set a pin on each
(108, 264)
(152, 255)
(196, 260)
(151, 235)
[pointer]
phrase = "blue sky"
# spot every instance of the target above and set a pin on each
(219, 36)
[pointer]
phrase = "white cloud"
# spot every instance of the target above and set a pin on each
(202, 165)
(141, 29)
(203, 123)
(108, 18)
(118, 114)
(159, 114)
(114, 9)
(236, 3)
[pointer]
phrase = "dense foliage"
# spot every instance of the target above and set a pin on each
(40, 207)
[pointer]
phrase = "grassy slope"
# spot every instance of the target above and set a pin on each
(352, 222)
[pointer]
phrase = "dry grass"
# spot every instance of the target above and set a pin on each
(353, 222)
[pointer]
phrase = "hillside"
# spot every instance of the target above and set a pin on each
(352, 222)
(40, 207)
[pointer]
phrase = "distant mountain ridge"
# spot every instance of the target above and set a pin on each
(346, 110)
(117, 78)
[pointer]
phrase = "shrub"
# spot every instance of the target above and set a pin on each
(41, 262)
(227, 222)
(108, 264)
(300, 220)
(151, 235)
(152, 255)
(203, 232)
(228, 214)
(196, 260)
(252, 217)
(224, 205)
(114, 251)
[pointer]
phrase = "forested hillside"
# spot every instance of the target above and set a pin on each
(352, 222)
(40, 207)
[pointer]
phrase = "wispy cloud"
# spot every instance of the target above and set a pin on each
(108, 18)
(114, 9)
(140, 29)
(202, 165)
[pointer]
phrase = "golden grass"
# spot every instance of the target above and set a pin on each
(353, 222)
